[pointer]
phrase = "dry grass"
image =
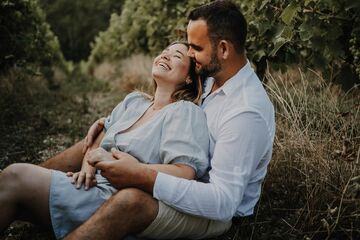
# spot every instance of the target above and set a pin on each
(17, 83)
(312, 184)
(127, 75)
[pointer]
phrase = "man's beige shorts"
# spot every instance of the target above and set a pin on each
(171, 224)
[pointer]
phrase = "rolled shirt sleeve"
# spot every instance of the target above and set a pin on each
(239, 151)
(185, 137)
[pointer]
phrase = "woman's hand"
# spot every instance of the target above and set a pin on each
(86, 175)
(93, 132)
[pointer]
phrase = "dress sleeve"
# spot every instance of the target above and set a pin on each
(185, 138)
(120, 109)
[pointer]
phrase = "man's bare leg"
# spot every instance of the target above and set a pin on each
(128, 211)
(69, 160)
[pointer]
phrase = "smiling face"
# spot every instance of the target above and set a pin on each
(201, 49)
(172, 65)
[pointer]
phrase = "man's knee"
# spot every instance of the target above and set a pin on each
(134, 199)
(137, 203)
(139, 207)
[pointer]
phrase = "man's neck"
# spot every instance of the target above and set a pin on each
(228, 71)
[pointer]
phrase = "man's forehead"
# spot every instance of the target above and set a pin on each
(197, 26)
(197, 32)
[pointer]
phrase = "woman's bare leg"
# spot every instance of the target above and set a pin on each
(24, 194)
(69, 160)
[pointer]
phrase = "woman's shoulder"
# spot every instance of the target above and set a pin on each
(136, 97)
(187, 108)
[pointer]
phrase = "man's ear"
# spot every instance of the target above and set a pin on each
(224, 48)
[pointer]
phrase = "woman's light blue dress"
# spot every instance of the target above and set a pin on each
(176, 134)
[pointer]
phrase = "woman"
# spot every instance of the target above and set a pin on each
(167, 130)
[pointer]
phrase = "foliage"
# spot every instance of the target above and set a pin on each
(321, 34)
(26, 39)
(77, 22)
(143, 26)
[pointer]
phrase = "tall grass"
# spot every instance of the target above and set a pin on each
(127, 75)
(313, 184)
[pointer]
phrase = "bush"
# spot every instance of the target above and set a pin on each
(142, 27)
(324, 35)
(26, 39)
(76, 23)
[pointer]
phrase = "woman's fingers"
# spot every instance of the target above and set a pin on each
(89, 181)
(80, 179)
(74, 177)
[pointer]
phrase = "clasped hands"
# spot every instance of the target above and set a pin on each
(116, 166)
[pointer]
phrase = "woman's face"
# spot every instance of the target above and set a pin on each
(172, 65)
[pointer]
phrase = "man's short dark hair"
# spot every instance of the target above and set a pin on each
(224, 21)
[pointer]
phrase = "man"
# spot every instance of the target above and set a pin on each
(241, 123)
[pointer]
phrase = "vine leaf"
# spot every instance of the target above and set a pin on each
(289, 13)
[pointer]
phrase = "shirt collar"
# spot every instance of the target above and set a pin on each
(231, 84)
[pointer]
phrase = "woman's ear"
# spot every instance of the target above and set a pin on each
(188, 80)
(224, 49)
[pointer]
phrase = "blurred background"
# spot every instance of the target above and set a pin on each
(64, 64)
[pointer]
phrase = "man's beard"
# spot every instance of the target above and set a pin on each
(211, 69)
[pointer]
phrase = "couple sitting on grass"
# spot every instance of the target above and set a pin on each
(179, 164)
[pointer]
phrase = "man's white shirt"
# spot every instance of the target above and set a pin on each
(241, 124)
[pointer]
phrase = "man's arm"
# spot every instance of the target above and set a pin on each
(86, 175)
(71, 159)
(243, 141)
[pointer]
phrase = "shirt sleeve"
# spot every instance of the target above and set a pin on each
(242, 141)
(120, 109)
(185, 137)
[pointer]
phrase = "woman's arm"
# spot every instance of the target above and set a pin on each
(86, 175)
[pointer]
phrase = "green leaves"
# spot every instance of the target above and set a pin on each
(26, 38)
(290, 12)
(312, 33)
(283, 36)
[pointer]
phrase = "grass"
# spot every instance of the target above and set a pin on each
(312, 189)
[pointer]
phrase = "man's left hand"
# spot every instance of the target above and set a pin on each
(125, 171)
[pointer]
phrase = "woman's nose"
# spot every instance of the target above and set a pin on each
(164, 56)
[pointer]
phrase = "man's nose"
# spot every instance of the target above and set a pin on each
(190, 53)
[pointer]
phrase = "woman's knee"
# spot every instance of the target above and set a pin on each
(18, 175)
(13, 174)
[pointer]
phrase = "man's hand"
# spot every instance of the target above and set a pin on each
(93, 132)
(99, 155)
(126, 171)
